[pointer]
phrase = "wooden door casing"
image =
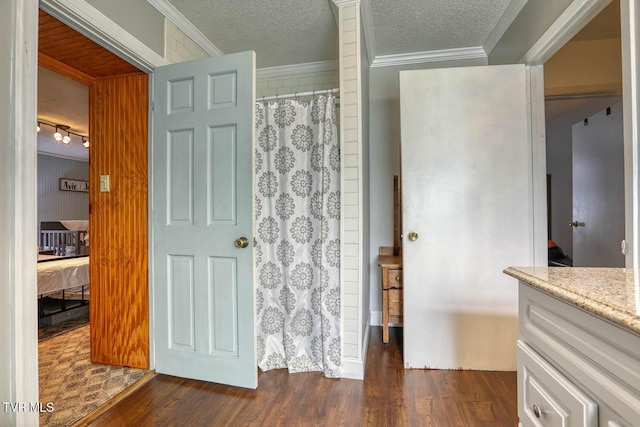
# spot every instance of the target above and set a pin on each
(119, 311)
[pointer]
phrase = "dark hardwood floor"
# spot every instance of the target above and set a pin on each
(389, 396)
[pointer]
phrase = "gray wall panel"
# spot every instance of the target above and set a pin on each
(54, 204)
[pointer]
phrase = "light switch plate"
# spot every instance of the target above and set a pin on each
(104, 183)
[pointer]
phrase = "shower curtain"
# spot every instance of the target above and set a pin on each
(297, 207)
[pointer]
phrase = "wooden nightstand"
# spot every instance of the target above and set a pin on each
(391, 288)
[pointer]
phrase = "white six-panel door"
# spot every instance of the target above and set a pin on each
(202, 203)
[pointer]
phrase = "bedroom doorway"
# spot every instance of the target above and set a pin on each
(118, 112)
(118, 115)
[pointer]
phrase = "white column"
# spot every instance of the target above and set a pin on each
(353, 330)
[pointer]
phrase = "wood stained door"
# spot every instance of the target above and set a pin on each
(118, 236)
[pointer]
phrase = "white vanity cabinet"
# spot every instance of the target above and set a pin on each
(574, 367)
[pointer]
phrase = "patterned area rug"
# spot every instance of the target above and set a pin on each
(68, 379)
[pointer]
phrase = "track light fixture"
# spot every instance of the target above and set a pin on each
(59, 129)
(57, 135)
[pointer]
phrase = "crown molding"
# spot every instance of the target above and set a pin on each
(179, 20)
(345, 2)
(367, 26)
(287, 70)
(430, 56)
(572, 20)
(511, 12)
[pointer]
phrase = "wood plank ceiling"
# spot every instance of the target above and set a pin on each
(66, 51)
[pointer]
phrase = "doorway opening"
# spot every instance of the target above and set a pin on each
(74, 74)
(585, 148)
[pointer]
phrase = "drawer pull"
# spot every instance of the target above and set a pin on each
(536, 410)
(397, 278)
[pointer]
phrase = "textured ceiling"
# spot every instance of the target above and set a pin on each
(285, 32)
(405, 26)
(281, 32)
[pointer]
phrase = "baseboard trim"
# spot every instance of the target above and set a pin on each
(352, 368)
(376, 318)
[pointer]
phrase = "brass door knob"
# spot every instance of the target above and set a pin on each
(242, 242)
(413, 236)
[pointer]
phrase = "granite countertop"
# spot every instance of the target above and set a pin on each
(606, 292)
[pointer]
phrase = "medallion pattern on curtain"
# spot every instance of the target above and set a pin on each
(297, 165)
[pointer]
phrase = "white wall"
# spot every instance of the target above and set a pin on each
(559, 155)
(384, 163)
(178, 47)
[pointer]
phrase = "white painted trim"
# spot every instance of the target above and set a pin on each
(151, 237)
(288, 70)
(367, 25)
(346, 369)
(21, 142)
(89, 21)
(179, 20)
(354, 368)
(537, 129)
(572, 20)
(430, 56)
(361, 222)
(630, 26)
(340, 3)
(505, 21)
(375, 318)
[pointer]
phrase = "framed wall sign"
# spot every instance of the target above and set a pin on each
(74, 185)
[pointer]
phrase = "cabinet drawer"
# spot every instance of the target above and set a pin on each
(394, 279)
(547, 398)
(395, 305)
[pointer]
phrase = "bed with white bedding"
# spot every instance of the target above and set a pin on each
(63, 287)
(61, 273)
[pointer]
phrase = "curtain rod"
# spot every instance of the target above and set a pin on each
(298, 94)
